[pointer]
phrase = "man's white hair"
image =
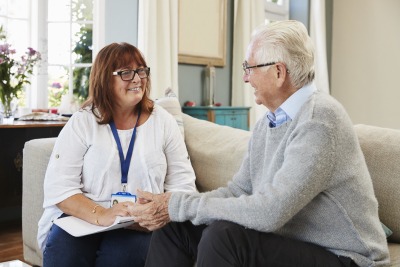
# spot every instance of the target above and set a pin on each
(286, 42)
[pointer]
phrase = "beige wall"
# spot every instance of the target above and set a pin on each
(366, 60)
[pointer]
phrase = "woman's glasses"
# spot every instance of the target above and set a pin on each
(128, 75)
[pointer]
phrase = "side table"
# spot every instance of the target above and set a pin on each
(236, 117)
(12, 141)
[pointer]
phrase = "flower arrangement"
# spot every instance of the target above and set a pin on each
(56, 92)
(14, 73)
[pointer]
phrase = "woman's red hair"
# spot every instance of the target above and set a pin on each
(101, 86)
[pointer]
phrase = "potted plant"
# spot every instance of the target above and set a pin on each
(14, 73)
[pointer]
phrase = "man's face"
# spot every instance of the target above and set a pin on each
(261, 79)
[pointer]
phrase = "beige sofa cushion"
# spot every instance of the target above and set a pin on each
(394, 250)
(216, 152)
(36, 158)
(381, 148)
(171, 104)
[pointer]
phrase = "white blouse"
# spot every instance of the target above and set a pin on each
(85, 159)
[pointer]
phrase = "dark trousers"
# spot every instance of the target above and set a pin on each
(228, 244)
(120, 247)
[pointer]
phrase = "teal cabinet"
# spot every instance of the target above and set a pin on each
(236, 117)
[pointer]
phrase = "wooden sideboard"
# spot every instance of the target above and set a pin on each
(236, 117)
(12, 141)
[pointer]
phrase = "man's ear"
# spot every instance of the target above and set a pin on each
(281, 74)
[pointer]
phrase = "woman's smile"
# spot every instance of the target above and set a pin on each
(136, 89)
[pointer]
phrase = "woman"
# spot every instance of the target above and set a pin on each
(90, 162)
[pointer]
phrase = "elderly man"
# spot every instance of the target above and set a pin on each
(303, 195)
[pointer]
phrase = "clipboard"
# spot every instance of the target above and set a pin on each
(78, 227)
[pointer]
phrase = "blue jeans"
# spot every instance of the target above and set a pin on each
(120, 247)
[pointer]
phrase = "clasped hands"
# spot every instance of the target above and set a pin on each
(150, 211)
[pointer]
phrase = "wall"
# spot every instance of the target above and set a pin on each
(121, 21)
(300, 10)
(191, 77)
(365, 58)
(328, 27)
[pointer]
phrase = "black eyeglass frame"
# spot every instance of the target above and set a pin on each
(246, 67)
(134, 73)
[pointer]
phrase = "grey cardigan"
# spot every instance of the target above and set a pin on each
(306, 179)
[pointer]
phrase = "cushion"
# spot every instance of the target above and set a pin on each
(216, 151)
(36, 158)
(171, 104)
(388, 232)
(381, 149)
(394, 250)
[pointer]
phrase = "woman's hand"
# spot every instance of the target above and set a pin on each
(81, 207)
(107, 216)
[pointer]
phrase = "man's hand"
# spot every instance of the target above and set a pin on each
(151, 210)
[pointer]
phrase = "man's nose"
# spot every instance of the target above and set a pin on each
(245, 77)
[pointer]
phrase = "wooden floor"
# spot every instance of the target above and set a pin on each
(11, 241)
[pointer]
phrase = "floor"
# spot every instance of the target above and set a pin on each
(14, 263)
(11, 241)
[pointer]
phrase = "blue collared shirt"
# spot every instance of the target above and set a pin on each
(291, 106)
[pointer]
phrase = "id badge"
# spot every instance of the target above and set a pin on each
(122, 197)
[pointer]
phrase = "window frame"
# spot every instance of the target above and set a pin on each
(273, 11)
(39, 92)
(28, 87)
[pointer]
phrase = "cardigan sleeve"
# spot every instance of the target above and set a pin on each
(308, 162)
(64, 172)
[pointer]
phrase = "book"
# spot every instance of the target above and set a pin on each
(78, 227)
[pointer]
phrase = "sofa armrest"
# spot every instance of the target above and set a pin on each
(381, 149)
(36, 158)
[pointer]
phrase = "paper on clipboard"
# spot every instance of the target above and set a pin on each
(78, 227)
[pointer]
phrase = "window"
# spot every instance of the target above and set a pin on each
(70, 49)
(16, 21)
(68, 34)
(276, 10)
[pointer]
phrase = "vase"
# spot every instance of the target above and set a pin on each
(8, 117)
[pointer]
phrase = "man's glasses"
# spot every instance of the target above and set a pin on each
(246, 67)
(128, 75)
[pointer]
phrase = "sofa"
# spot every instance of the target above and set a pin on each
(216, 153)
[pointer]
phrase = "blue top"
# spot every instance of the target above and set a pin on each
(289, 108)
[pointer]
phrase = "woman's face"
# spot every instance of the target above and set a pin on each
(129, 93)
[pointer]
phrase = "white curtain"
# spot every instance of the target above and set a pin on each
(158, 40)
(318, 35)
(249, 14)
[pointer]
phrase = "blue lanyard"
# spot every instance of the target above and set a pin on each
(124, 162)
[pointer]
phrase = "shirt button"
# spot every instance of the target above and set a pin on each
(57, 156)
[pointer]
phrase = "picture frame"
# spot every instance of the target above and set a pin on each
(202, 26)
